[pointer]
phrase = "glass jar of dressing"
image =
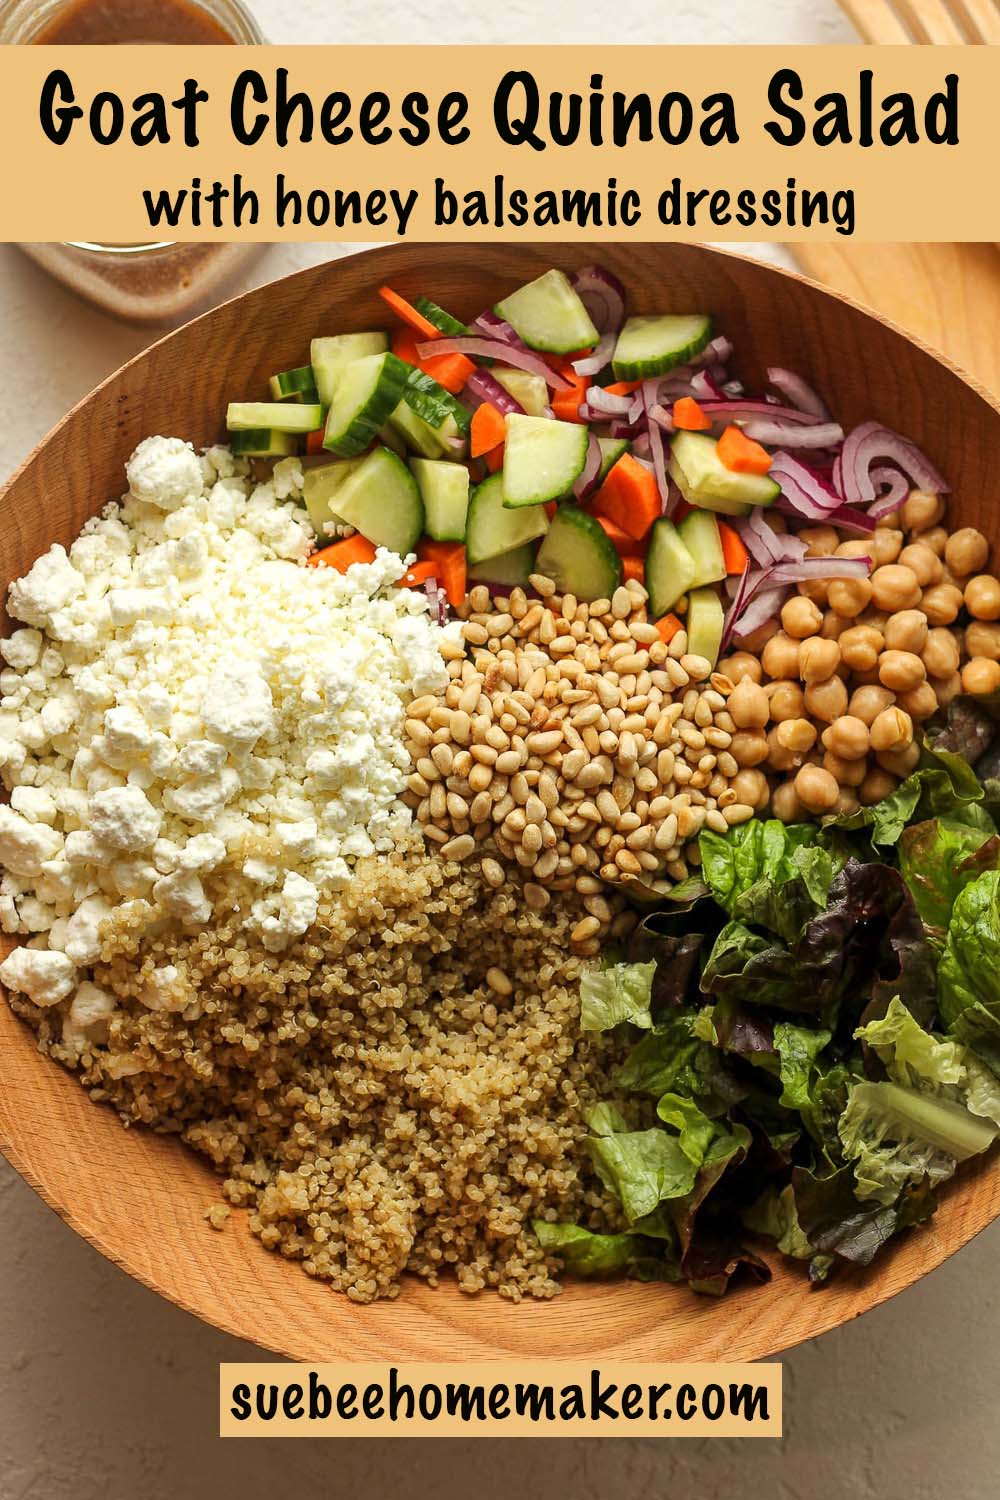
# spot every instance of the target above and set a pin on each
(166, 281)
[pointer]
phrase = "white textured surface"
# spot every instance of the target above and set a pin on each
(108, 1393)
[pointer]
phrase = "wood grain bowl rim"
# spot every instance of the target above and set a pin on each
(718, 1331)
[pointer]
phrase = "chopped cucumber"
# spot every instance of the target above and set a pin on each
(262, 442)
(705, 623)
(578, 556)
(541, 459)
(493, 529)
(443, 321)
(612, 450)
(331, 356)
(380, 498)
(547, 314)
(444, 489)
(699, 531)
(653, 345)
(368, 392)
(432, 402)
(418, 436)
(321, 484)
(529, 391)
(704, 480)
(250, 416)
(512, 569)
(295, 385)
(670, 568)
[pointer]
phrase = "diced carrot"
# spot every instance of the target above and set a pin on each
(408, 314)
(314, 440)
(742, 454)
(734, 554)
(633, 567)
(449, 370)
(418, 574)
(668, 626)
(566, 404)
(624, 545)
(623, 387)
(341, 555)
(629, 497)
(488, 430)
(494, 459)
(450, 567)
(688, 415)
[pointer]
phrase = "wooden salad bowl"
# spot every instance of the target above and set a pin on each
(140, 1198)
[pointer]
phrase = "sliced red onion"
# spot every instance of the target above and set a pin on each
(594, 363)
(866, 447)
(483, 385)
(765, 545)
(521, 359)
(662, 417)
(607, 402)
(735, 609)
(438, 600)
(793, 434)
(640, 446)
(797, 393)
(806, 492)
(658, 456)
(740, 407)
(623, 429)
(705, 388)
(897, 487)
(495, 327)
(763, 607)
(849, 518)
(587, 482)
(765, 589)
(603, 295)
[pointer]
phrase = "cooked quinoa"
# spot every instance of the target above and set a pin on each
(402, 1090)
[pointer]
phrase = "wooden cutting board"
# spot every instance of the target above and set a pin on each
(948, 295)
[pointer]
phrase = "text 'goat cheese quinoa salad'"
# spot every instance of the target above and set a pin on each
(525, 806)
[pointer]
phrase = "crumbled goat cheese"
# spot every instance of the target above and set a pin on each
(188, 698)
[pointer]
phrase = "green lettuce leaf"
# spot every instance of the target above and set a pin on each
(765, 873)
(775, 1215)
(621, 992)
(837, 1225)
(969, 972)
(798, 1048)
(938, 859)
(672, 1059)
(943, 785)
(642, 1168)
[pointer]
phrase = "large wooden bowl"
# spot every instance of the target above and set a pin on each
(140, 1198)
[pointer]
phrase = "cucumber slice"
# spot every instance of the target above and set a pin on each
(321, 485)
(368, 392)
(380, 498)
(418, 436)
(511, 569)
(705, 623)
(443, 321)
(652, 345)
(331, 356)
(612, 450)
(444, 489)
(248, 416)
(670, 568)
(578, 555)
(699, 531)
(704, 480)
(295, 385)
(262, 442)
(432, 402)
(541, 459)
(547, 314)
(529, 391)
(492, 529)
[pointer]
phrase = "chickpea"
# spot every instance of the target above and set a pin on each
(748, 705)
(940, 653)
(936, 539)
(860, 647)
(895, 587)
(942, 603)
(779, 758)
(864, 679)
(740, 665)
(780, 657)
(758, 639)
(924, 564)
(855, 547)
(826, 700)
(816, 789)
(821, 541)
(877, 785)
(868, 702)
(921, 510)
(891, 730)
(846, 803)
(813, 589)
(818, 659)
(980, 675)
(845, 772)
(982, 639)
(906, 631)
(920, 702)
(849, 596)
(786, 700)
(847, 737)
(751, 788)
(833, 626)
(900, 671)
(982, 597)
(800, 617)
(959, 580)
(967, 551)
(785, 803)
(878, 619)
(948, 688)
(885, 545)
(900, 762)
(796, 735)
(749, 748)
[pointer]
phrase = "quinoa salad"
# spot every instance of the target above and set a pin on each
(524, 806)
